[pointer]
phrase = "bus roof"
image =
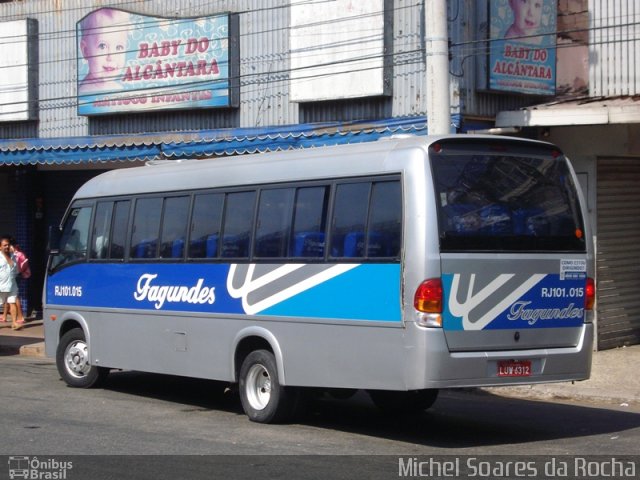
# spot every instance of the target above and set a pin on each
(360, 159)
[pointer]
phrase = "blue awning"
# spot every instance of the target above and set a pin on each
(202, 143)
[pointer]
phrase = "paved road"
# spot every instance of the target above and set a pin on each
(147, 414)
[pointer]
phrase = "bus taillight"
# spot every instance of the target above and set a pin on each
(428, 297)
(590, 294)
(428, 302)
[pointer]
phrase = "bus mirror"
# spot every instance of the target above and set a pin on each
(53, 245)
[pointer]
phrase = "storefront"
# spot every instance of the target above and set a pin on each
(602, 139)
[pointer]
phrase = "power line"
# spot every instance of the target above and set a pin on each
(245, 80)
(156, 20)
(257, 80)
(481, 42)
(478, 48)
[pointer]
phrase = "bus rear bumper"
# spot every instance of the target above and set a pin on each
(502, 368)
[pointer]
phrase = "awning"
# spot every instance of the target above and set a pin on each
(177, 145)
(575, 111)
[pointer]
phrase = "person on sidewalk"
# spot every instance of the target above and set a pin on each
(24, 272)
(8, 284)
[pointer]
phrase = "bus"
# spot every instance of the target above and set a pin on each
(399, 267)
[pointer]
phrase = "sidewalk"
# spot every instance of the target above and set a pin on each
(613, 380)
(28, 341)
(613, 373)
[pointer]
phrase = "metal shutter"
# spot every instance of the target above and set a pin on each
(618, 252)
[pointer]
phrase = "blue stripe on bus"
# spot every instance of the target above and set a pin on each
(365, 292)
(368, 292)
(518, 302)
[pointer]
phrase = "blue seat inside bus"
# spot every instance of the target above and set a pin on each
(204, 247)
(235, 246)
(530, 221)
(270, 245)
(308, 244)
(177, 249)
(496, 219)
(146, 249)
(354, 245)
(211, 250)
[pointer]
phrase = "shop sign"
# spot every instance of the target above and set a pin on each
(129, 62)
(522, 40)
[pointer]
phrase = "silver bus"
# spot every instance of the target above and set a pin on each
(401, 267)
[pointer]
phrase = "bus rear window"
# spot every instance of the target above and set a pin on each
(505, 199)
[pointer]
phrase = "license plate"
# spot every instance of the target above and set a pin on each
(514, 368)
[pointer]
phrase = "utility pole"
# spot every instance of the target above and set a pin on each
(437, 77)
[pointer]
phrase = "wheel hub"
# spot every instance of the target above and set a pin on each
(77, 359)
(258, 387)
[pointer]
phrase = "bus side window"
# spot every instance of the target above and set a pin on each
(309, 221)
(385, 220)
(74, 238)
(174, 227)
(119, 231)
(101, 230)
(205, 225)
(238, 223)
(146, 227)
(274, 222)
(349, 219)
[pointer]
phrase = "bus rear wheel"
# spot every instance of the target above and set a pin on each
(263, 399)
(413, 401)
(72, 360)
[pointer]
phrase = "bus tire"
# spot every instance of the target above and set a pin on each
(412, 401)
(72, 360)
(263, 399)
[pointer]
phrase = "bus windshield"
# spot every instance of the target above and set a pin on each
(505, 197)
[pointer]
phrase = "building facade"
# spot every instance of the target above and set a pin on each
(202, 79)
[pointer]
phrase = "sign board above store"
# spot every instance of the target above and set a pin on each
(340, 49)
(129, 62)
(18, 70)
(522, 46)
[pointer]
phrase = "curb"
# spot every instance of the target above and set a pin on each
(562, 392)
(28, 341)
(17, 343)
(32, 350)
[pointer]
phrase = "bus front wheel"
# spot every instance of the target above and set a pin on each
(263, 399)
(72, 360)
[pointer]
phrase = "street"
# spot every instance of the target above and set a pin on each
(145, 414)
